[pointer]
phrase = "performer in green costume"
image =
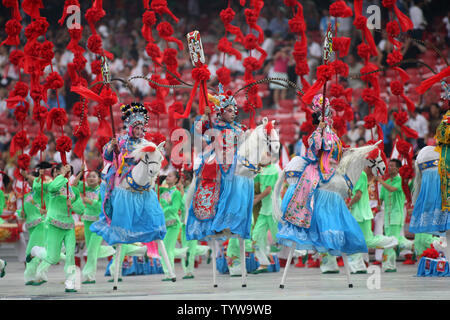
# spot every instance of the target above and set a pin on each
(265, 221)
(392, 196)
(90, 196)
(171, 203)
(61, 228)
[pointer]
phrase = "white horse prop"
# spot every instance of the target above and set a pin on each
(427, 216)
(254, 150)
(141, 178)
(347, 173)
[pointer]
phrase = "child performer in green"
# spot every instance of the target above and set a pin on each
(61, 228)
(34, 213)
(171, 203)
(90, 195)
(265, 222)
(359, 206)
(392, 196)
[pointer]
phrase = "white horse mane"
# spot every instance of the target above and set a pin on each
(351, 155)
(251, 138)
(138, 154)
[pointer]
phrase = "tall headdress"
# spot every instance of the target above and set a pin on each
(223, 100)
(134, 114)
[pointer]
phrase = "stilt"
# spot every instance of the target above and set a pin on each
(347, 270)
(166, 260)
(288, 263)
(447, 249)
(243, 263)
(117, 270)
(214, 265)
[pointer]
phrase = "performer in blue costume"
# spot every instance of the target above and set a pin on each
(316, 219)
(128, 214)
(220, 195)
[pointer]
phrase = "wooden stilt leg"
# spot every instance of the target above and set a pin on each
(243, 263)
(116, 266)
(288, 263)
(212, 245)
(347, 269)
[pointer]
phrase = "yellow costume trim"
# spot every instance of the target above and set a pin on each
(122, 163)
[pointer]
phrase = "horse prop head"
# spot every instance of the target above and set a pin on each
(376, 161)
(268, 141)
(150, 155)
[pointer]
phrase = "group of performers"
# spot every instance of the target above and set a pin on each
(325, 205)
(314, 218)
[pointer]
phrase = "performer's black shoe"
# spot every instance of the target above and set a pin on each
(3, 272)
(29, 258)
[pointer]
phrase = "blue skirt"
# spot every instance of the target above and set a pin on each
(427, 216)
(136, 217)
(333, 229)
(234, 211)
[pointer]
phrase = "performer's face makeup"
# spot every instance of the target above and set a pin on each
(138, 131)
(229, 115)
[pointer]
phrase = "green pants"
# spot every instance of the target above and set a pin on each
(389, 255)
(55, 238)
(170, 241)
(193, 250)
(356, 261)
(95, 251)
(259, 235)
(37, 238)
(422, 241)
(371, 240)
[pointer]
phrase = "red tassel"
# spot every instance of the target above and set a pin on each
(104, 128)
(32, 7)
(428, 83)
(405, 23)
(402, 73)
(14, 5)
(409, 133)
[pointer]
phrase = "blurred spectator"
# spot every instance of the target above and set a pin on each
(434, 119)
(418, 123)
(279, 69)
(446, 22)
(360, 142)
(417, 18)
(52, 101)
(268, 44)
(325, 21)
(387, 134)
(353, 134)
(354, 66)
(345, 25)
(314, 57)
(279, 23)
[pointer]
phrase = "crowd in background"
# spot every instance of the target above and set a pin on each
(121, 35)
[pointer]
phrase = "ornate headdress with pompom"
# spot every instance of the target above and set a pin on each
(133, 114)
(223, 100)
